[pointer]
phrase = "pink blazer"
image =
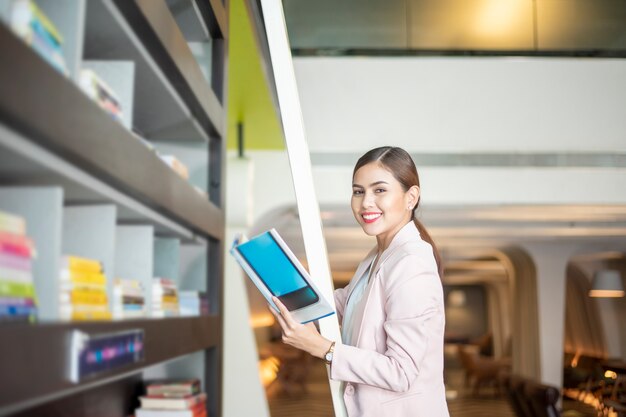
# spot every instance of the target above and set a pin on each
(396, 367)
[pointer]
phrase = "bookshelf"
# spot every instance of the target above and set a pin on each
(87, 185)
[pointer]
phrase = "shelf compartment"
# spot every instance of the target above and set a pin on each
(43, 348)
(178, 59)
(94, 141)
(172, 99)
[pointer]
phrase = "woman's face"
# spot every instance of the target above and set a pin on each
(379, 203)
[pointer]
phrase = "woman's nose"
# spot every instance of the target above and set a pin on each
(368, 200)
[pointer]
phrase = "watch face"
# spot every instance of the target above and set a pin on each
(329, 356)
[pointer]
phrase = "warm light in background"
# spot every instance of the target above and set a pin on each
(457, 298)
(261, 320)
(610, 374)
(496, 17)
(268, 368)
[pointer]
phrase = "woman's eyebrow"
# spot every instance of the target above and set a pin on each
(371, 185)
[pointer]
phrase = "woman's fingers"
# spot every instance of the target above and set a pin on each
(286, 315)
(279, 318)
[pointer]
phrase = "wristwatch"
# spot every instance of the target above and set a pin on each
(328, 356)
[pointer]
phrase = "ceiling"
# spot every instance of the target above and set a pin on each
(571, 26)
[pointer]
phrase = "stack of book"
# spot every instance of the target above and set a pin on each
(173, 399)
(164, 298)
(33, 26)
(17, 291)
(193, 303)
(128, 299)
(83, 288)
(97, 90)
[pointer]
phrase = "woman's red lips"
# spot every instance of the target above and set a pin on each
(370, 217)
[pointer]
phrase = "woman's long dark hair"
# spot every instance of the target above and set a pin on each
(401, 165)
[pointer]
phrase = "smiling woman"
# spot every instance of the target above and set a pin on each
(392, 312)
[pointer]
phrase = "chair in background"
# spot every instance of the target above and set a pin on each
(481, 370)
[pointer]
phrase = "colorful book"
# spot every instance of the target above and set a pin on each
(9, 260)
(18, 310)
(14, 244)
(26, 11)
(15, 275)
(17, 289)
(17, 301)
(12, 223)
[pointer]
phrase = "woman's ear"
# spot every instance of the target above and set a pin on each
(413, 195)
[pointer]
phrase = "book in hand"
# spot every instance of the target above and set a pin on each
(276, 271)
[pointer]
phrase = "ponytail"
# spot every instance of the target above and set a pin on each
(426, 237)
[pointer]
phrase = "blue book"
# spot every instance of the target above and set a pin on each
(276, 271)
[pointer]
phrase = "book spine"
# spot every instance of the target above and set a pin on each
(17, 310)
(90, 315)
(9, 260)
(16, 244)
(12, 224)
(15, 275)
(17, 289)
(37, 14)
(83, 277)
(17, 301)
(84, 297)
(76, 263)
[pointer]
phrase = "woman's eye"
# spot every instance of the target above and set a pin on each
(380, 190)
(357, 192)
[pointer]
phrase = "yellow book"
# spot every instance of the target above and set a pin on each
(91, 315)
(166, 299)
(83, 277)
(45, 22)
(87, 297)
(75, 263)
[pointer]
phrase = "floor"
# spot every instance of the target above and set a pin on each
(315, 400)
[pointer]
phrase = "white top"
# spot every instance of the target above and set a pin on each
(356, 297)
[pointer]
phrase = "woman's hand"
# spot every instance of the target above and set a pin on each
(302, 336)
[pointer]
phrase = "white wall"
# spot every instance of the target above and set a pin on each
(463, 104)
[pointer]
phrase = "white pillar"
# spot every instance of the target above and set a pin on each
(241, 379)
(551, 260)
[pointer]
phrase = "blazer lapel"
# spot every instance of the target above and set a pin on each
(407, 233)
(358, 275)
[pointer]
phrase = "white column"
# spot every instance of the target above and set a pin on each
(241, 357)
(551, 260)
